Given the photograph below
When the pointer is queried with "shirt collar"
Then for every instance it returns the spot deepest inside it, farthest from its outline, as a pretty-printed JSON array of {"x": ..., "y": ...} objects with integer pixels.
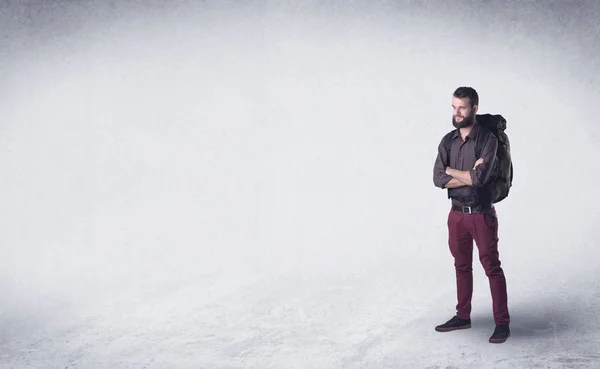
[{"x": 471, "y": 134}]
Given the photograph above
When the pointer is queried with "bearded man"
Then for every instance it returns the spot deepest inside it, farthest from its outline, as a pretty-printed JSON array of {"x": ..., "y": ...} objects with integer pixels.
[{"x": 472, "y": 215}]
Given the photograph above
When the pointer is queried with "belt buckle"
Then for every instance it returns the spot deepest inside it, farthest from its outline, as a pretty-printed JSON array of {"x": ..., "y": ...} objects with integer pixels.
[{"x": 468, "y": 209}]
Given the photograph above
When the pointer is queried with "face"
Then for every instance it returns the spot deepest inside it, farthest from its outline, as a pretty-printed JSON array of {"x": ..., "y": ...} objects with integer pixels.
[{"x": 462, "y": 116}]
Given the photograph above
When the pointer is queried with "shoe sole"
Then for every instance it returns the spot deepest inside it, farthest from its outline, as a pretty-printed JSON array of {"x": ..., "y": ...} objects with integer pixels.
[
  {"x": 499, "y": 340},
  {"x": 453, "y": 329}
]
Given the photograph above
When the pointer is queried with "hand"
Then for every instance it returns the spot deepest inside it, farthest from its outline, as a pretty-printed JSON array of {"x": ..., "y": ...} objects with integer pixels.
[
  {"x": 448, "y": 170},
  {"x": 479, "y": 161}
]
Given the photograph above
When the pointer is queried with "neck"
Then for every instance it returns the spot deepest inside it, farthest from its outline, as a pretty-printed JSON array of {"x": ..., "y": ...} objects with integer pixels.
[{"x": 464, "y": 132}]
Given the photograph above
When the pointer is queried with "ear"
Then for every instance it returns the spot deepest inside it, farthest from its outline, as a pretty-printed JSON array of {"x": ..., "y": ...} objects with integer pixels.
[{"x": 475, "y": 108}]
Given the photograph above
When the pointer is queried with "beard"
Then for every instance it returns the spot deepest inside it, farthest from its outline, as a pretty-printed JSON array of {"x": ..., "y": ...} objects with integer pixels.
[{"x": 465, "y": 122}]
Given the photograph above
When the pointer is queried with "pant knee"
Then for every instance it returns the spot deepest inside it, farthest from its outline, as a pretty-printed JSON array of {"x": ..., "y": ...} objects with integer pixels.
[
  {"x": 491, "y": 265},
  {"x": 463, "y": 268},
  {"x": 492, "y": 272}
]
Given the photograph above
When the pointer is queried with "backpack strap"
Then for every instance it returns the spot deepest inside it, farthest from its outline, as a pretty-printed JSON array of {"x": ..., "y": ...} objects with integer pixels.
[
  {"x": 480, "y": 143},
  {"x": 448, "y": 144},
  {"x": 482, "y": 137}
]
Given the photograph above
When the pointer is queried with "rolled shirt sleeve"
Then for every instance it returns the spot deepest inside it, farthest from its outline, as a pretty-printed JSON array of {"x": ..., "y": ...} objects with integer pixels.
[{"x": 483, "y": 172}]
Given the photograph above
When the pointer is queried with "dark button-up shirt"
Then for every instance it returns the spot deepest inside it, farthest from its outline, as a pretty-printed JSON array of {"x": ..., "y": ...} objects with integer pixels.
[{"x": 463, "y": 157}]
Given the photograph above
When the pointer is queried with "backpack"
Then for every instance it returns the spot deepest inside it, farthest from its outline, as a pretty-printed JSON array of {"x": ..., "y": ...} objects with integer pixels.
[{"x": 502, "y": 178}]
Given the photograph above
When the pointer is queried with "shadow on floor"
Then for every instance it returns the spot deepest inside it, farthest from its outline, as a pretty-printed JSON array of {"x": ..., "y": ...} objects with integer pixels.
[{"x": 541, "y": 320}]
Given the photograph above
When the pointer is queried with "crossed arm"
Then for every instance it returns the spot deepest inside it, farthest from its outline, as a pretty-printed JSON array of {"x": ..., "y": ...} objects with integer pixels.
[
  {"x": 458, "y": 178},
  {"x": 461, "y": 177},
  {"x": 454, "y": 183},
  {"x": 447, "y": 177}
]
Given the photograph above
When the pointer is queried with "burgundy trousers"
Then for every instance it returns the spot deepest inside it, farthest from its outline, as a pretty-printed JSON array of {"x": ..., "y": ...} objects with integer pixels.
[{"x": 463, "y": 229}]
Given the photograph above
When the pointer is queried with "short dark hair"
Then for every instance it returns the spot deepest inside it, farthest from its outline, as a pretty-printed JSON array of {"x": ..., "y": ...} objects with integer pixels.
[{"x": 469, "y": 92}]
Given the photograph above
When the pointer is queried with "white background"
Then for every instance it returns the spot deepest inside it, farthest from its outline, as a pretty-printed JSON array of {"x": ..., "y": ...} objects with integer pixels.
[{"x": 250, "y": 185}]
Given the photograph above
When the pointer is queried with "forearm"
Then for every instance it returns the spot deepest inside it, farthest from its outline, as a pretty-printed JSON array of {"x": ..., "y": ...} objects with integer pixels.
[
  {"x": 463, "y": 176},
  {"x": 454, "y": 183}
]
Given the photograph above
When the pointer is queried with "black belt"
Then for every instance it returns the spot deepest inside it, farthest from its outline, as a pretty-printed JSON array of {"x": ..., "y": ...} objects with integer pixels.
[{"x": 472, "y": 209}]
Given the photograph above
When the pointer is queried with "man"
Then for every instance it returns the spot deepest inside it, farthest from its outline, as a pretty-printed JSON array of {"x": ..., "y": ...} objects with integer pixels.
[{"x": 472, "y": 215}]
